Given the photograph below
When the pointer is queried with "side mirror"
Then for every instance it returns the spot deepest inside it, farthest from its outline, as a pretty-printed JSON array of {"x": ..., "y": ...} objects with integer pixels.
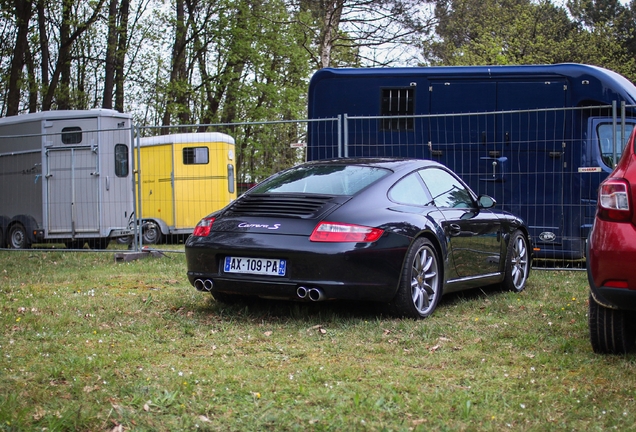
[{"x": 486, "y": 201}]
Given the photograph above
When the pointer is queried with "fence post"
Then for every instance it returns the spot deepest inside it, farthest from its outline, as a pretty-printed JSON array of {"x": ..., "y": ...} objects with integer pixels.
[
  {"x": 137, "y": 242},
  {"x": 346, "y": 136},
  {"x": 623, "y": 140},
  {"x": 614, "y": 134}
]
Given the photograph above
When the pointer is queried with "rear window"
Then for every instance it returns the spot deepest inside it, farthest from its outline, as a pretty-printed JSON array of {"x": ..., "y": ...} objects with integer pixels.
[{"x": 323, "y": 179}]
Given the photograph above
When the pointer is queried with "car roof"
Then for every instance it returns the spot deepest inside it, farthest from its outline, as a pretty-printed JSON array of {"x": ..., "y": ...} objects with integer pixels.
[{"x": 394, "y": 164}]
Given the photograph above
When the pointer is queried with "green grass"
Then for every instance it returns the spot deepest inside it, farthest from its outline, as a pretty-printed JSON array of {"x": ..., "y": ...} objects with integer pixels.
[{"x": 88, "y": 344}]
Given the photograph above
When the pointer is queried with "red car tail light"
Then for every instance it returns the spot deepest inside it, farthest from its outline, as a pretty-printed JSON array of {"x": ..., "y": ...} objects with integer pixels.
[
  {"x": 613, "y": 201},
  {"x": 340, "y": 232},
  {"x": 203, "y": 227}
]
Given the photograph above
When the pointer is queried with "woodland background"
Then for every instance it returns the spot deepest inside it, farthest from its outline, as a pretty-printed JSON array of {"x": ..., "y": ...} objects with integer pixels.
[{"x": 184, "y": 62}]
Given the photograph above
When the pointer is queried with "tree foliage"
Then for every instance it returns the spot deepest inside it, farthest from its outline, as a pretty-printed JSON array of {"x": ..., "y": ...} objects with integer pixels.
[
  {"x": 532, "y": 32},
  {"x": 203, "y": 62}
]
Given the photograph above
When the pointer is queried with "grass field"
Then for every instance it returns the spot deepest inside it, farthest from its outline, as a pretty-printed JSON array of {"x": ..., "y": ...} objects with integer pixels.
[{"x": 88, "y": 344}]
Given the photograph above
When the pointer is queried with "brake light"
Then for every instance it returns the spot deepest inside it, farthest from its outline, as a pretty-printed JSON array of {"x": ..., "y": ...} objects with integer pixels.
[
  {"x": 341, "y": 232},
  {"x": 613, "y": 201},
  {"x": 203, "y": 227}
]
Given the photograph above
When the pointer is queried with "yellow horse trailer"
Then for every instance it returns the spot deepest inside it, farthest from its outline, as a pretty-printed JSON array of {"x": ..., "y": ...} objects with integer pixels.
[{"x": 184, "y": 177}]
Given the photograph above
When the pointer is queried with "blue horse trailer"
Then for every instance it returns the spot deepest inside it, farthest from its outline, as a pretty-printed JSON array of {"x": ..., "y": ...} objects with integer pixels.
[{"x": 537, "y": 138}]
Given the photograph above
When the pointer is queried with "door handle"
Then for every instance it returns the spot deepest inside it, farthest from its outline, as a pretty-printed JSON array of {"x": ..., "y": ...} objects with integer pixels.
[{"x": 454, "y": 229}]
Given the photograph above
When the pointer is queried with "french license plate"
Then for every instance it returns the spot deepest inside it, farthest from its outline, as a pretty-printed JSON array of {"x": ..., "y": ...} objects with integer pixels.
[{"x": 261, "y": 266}]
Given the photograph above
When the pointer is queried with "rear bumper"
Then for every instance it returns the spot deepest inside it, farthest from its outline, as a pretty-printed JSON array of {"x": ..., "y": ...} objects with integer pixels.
[
  {"x": 611, "y": 258},
  {"x": 348, "y": 271}
]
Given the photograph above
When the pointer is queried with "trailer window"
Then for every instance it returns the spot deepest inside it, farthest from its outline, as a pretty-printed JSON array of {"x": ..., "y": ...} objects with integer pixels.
[
  {"x": 397, "y": 102},
  {"x": 121, "y": 160},
  {"x": 230, "y": 178},
  {"x": 195, "y": 155},
  {"x": 72, "y": 135},
  {"x": 605, "y": 133}
]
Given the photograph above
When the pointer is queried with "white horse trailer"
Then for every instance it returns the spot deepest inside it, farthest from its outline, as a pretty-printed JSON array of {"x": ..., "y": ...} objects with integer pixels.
[{"x": 65, "y": 177}]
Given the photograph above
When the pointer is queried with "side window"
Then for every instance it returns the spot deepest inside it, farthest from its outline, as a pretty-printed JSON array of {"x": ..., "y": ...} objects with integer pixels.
[
  {"x": 605, "y": 135},
  {"x": 447, "y": 191},
  {"x": 410, "y": 191},
  {"x": 72, "y": 135},
  {"x": 195, "y": 155},
  {"x": 121, "y": 160},
  {"x": 397, "y": 102}
]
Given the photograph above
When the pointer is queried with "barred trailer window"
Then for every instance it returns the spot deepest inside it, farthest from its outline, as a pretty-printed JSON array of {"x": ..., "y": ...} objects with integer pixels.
[
  {"x": 397, "y": 102},
  {"x": 195, "y": 156}
]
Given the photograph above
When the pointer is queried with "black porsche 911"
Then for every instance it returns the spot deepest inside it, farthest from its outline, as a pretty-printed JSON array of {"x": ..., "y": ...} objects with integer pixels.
[{"x": 399, "y": 231}]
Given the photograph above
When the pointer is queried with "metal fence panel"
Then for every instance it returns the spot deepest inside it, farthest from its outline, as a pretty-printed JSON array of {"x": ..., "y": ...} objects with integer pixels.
[{"x": 543, "y": 165}]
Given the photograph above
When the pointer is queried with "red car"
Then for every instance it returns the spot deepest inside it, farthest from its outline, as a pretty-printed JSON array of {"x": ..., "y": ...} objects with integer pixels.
[{"x": 611, "y": 260}]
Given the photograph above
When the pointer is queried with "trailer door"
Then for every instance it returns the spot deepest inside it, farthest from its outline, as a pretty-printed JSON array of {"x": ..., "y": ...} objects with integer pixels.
[
  {"x": 530, "y": 137},
  {"x": 72, "y": 201},
  {"x": 460, "y": 130},
  {"x": 72, "y": 193}
]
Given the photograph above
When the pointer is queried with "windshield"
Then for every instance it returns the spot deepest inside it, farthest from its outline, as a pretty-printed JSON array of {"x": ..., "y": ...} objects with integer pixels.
[
  {"x": 605, "y": 138},
  {"x": 323, "y": 179}
]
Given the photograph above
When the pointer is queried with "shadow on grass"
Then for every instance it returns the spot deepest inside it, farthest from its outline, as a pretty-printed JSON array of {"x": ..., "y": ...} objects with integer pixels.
[{"x": 249, "y": 309}]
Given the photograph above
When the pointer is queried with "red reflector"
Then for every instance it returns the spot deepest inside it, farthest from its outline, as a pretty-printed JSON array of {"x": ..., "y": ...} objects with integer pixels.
[
  {"x": 203, "y": 227},
  {"x": 615, "y": 284},
  {"x": 340, "y": 232}
]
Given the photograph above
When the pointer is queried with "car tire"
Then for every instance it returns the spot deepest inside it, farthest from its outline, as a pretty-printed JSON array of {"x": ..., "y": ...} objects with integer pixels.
[
  {"x": 18, "y": 238},
  {"x": 517, "y": 263},
  {"x": 612, "y": 331},
  {"x": 420, "y": 286}
]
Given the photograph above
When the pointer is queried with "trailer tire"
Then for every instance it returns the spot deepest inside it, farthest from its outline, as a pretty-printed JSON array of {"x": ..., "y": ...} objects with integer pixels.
[
  {"x": 151, "y": 233},
  {"x": 18, "y": 237}
]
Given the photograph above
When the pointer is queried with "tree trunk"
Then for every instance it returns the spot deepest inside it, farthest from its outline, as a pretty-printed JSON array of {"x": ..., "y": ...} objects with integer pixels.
[
  {"x": 111, "y": 49},
  {"x": 23, "y": 13},
  {"x": 122, "y": 48},
  {"x": 177, "y": 97}
]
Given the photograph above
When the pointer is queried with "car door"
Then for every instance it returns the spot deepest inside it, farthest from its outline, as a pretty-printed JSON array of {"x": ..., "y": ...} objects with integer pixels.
[{"x": 474, "y": 233}]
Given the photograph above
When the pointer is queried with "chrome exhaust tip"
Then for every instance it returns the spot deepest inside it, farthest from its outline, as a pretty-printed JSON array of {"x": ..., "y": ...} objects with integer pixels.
[
  {"x": 199, "y": 285},
  {"x": 208, "y": 285},
  {"x": 316, "y": 294},
  {"x": 302, "y": 292}
]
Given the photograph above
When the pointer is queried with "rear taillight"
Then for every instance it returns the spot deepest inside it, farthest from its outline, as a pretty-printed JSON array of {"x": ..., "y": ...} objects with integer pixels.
[
  {"x": 341, "y": 232},
  {"x": 203, "y": 227},
  {"x": 613, "y": 201}
]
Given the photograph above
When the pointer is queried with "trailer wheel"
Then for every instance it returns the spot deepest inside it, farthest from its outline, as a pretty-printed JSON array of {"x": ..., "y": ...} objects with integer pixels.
[
  {"x": 18, "y": 238},
  {"x": 151, "y": 233},
  {"x": 100, "y": 243}
]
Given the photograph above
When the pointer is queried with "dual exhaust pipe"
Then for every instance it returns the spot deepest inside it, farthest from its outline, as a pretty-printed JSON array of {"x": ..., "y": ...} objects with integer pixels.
[
  {"x": 204, "y": 285},
  {"x": 313, "y": 294}
]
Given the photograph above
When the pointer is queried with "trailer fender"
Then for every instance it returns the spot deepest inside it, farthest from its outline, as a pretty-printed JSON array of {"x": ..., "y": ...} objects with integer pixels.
[{"x": 33, "y": 231}]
